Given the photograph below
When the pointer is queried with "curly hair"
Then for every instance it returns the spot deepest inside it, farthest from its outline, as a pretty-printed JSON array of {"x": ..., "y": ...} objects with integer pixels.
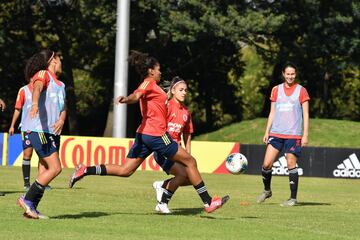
[
  {"x": 142, "y": 62},
  {"x": 38, "y": 61}
]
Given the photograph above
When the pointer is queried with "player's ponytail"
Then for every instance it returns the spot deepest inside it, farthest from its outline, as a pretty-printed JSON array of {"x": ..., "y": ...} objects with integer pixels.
[
  {"x": 37, "y": 62},
  {"x": 142, "y": 62}
]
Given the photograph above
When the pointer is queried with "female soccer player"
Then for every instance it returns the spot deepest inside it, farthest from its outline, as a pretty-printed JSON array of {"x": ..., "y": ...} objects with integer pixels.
[
  {"x": 23, "y": 101},
  {"x": 151, "y": 135},
  {"x": 289, "y": 111},
  {"x": 179, "y": 126},
  {"x": 42, "y": 122}
]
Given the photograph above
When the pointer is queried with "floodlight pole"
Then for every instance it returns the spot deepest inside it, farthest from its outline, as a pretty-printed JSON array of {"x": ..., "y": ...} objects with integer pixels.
[{"x": 121, "y": 66}]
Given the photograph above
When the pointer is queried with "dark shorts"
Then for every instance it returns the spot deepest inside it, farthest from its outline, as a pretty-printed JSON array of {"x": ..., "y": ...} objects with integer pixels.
[
  {"x": 144, "y": 145},
  {"x": 44, "y": 144},
  {"x": 287, "y": 145},
  {"x": 163, "y": 162},
  {"x": 56, "y": 139}
]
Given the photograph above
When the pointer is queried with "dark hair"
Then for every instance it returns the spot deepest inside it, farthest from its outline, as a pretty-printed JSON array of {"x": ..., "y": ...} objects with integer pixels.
[
  {"x": 289, "y": 64},
  {"x": 38, "y": 61},
  {"x": 142, "y": 62}
]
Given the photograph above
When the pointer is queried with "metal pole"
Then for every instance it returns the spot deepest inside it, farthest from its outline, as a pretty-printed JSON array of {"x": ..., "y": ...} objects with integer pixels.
[{"x": 121, "y": 66}]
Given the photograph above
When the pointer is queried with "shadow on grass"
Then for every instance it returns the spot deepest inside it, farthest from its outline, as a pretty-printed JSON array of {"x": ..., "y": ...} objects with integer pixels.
[
  {"x": 301, "y": 204},
  {"x": 82, "y": 215},
  {"x": 187, "y": 211}
]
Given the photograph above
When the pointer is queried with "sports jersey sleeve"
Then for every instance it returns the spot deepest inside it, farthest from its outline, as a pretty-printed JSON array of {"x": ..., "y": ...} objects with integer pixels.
[
  {"x": 304, "y": 96},
  {"x": 188, "y": 128},
  {"x": 274, "y": 94},
  {"x": 41, "y": 76},
  {"x": 145, "y": 87},
  {"x": 20, "y": 99}
]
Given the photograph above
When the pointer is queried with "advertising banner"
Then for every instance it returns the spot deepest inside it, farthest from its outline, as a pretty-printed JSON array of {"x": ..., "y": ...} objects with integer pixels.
[
  {"x": 89, "y": 151},
  {"x": 314, "y": 161}
]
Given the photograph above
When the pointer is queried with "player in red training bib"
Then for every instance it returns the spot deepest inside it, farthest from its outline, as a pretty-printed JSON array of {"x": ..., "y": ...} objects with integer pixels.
[
  {"x": 180, "y": 128},
  {"x": 286, "y": 130},
  {"x": 151, "y": 136}
]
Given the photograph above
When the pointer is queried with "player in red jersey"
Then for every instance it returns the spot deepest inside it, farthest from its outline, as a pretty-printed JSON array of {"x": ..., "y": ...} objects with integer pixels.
[
  {"x": 27, "y": 150},
  {"x": 151, "y": 135},
  {"x": 180, "y": 128},
  {"x": 287, "y": 129}
]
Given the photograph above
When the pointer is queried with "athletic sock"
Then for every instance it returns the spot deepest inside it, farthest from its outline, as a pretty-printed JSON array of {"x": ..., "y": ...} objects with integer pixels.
[
  {"x": 166, "y": 182},
  {"x": 35, "y": 193},
  {"x": 26, "y": 171},
  {"x": 167, "y": 194},
  {"x": 203, "y": 193},
  {"x": 266, "y": 173},
  {"x": 96, "y": 170},
  {"x": 293, "y": 181}
]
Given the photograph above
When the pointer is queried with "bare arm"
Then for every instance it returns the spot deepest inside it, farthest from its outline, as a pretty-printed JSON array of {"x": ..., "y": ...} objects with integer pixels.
[
  {"x": 132, "y": 98},
  {"x": 13, "y": 121},
  {"x": 2, "y": 105},
  {"x": 58, "y": 126},
  {"x": 269, "y": 122},
  {"x": 305, "y": 111},
  {"x": 37, "y": 88},
  {"x": 187, "y": 142}
]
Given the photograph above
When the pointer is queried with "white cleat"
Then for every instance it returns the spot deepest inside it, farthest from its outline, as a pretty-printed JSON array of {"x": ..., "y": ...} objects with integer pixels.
[
  {"x": 162, "y": 208},
  {"x": 157, "y": 185}
]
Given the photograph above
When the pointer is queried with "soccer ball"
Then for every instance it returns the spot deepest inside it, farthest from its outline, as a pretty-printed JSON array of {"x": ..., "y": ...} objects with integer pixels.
[{"x": 236, "y": 163}]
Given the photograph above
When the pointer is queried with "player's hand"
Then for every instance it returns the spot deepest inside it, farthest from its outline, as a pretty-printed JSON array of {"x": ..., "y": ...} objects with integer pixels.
[
  {"x": 58, "y": 126},
  {"x": 120, "y": 99},
  {"x": 2, "y": 105},
  {"x": 34, "y": 110},
  {"x": 266, "y": 138},
  {"x": 11, "y": 131},
  {"x": 304, "y": 141}
]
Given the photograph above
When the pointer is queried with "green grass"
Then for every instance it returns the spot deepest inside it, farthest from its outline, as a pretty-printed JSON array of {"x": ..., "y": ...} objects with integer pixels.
[
  {"x": 118, "y": 208},
  {"x": 322, "y": 133}
]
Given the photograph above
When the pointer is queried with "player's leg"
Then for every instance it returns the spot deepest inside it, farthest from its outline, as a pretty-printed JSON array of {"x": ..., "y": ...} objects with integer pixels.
[
  {"x": 293, "y": 151},
  {"x": 135, "y": 157},
  {"x": 193, "y": 174},
  {"x": 46, "y": 150},
  {"x": 26, "y": 167},
  {"x": 272, "y": 151}
]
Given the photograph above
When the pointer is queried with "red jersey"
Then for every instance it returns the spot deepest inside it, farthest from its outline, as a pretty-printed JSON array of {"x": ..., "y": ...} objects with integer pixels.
[
  {"x": 153, "y": 108},
  {"x": 20, "y": 99},
  {"x": 179, "y": 120},
  {"x": 43, "y": 75},
  {"x": 304, "y": 96}
]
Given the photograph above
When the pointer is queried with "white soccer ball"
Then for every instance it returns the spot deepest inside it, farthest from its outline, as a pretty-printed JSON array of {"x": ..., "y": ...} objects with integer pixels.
[{"x": 236, "y": 163}]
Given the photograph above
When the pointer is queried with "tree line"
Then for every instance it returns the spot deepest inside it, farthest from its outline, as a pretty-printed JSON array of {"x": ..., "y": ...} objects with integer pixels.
[{"x": 230, "y": 52}]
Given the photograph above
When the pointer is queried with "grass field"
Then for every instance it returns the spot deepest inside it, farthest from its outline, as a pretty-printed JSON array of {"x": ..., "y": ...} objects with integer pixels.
[
  {"x": 322, "y": 133},
  {"x": 118, "y": 208}
]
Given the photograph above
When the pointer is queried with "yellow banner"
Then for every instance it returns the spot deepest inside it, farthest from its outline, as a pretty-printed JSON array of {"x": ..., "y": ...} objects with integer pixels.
[{"x": 90, "y": 151}]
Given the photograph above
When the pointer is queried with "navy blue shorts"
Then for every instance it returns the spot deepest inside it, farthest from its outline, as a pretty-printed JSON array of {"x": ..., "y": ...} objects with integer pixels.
[
  {"x": 163, "y": 162},
  {"x": 288, "y": 145},
  {"x": 44, "y": 143},
  {"x": 144, "y": 145},
  {"x": 25, "y": 145}
]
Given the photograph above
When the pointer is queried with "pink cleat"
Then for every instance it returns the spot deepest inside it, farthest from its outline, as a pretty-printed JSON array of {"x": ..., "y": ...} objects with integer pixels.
[
  {"x": 216, "y": 203},
  {"x": 77, "y": 175}
]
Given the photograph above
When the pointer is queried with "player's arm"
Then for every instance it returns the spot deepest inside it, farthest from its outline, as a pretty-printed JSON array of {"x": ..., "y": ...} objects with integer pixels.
[
  {"x": 13, "y": 121},
  {"x": 305, "y": 112},
  {"x": 58, "y": 126},
  {"x": 132, "y": 98},
  {"x": 187, "y": 142},
  {"x": 269, "y": 122},
  {"x": 37, "y": 88},
  {"x": 2, "y": 105}
]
